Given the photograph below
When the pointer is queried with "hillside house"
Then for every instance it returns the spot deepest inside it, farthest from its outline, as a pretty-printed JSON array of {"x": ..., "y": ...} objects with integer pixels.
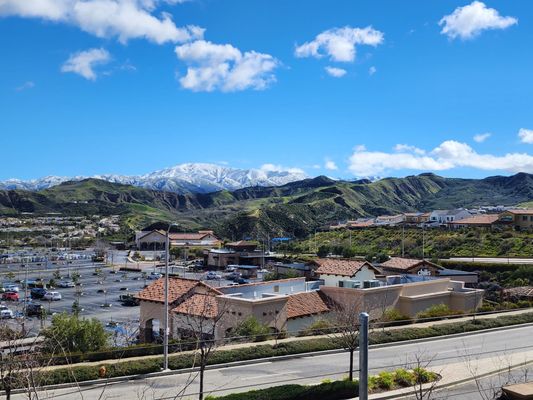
[
  {"x": 340, "y": 272},
  {"x": 519, "y": 219},
  {"x": 444, "y": 217}
]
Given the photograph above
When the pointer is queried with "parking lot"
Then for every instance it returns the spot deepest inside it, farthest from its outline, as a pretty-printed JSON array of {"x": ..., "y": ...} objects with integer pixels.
[{"x": 98, "y": 294}]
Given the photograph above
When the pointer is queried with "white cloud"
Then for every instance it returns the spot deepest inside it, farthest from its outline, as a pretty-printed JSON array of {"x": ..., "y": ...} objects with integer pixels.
[
  {"x": 359, "y": 147},
  {"x": 469, "y": 21},
  {"x": 481, "y": 137},
  {"x": 224, "y": 67},
  {"x": 340, "y": 43},
  {"x": 25, "y": 86},
  {"x": 335, "y": 72},
  {"x": 279, "y": 168},
  {"x": 449, "y": 154},
  {"x": 526, "y": 136},
  {"x": 83, "y": 62},
  {"x": 124, "y": 19},
  {"x": 405, "y": 148},
  {"x": 330, "y": 165},
  {"x": 372, "y": 70}
]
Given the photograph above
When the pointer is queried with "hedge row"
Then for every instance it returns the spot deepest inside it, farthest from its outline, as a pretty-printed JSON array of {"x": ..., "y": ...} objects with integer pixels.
[
  {"x": 482, "y": 266},
  {"x": 337, "y": 390},
  {"x": 182, "y": 361}
]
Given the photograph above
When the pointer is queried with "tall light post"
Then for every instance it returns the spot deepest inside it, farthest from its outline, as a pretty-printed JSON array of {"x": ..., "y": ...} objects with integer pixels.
[{"x": 165, "y": 322}]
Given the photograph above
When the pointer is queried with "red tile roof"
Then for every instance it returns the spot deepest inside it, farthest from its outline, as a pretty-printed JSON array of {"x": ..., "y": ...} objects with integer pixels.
[
  {"x": 404, "y": 264},
  {"x": 306, "y": 303},
  {"x": 177, "y": 288},
  {"x": 187, "y": 236},
  {"x": 332, "y": 266},
  {"x": 199, "y": 305},
  {"x": 522, "y": 212},
  {"x": 483, "y": 219}
]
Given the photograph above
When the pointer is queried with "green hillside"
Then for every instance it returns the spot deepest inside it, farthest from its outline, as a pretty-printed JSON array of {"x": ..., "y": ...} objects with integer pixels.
[{"x": 295, "y": 209}]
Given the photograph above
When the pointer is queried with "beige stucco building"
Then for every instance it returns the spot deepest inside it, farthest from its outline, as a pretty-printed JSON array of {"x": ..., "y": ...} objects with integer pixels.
[{"x": 519, "y": 219}]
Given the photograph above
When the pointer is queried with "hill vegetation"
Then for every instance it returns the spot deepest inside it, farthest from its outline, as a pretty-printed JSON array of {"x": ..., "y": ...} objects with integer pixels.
[{"x": 295, "y": 209}]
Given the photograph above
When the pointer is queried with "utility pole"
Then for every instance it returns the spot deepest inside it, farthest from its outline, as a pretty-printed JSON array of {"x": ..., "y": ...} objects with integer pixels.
[
  {"x": 363, "y": 356},
  {"x": 165, "y": 333},
  {"x": 403, "y": 241},
  {"x": 423, "y": 243},
  {"x": 166, "y": 328}
]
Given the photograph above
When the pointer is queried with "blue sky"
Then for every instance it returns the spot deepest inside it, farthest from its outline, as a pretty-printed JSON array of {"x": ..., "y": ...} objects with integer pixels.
[{"x": 131, "y": 86}]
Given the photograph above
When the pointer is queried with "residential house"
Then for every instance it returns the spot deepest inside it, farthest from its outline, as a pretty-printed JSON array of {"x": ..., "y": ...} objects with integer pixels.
[
  {"x": 389, "y": 220},
  {"x": 415, "y": 218},
  {"x": 487, "y": 221},
  {"x": 519, "y": 219},
  {"x": 444, "y": 217},
  {"x": 425, "y": 268},
  {"x": 340, "y": 272}
]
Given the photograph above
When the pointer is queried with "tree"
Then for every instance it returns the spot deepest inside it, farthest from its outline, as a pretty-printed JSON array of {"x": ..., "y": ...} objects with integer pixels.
[
  {"x": 198, "y": 321},
  {"x": 20, "y": 363},
  {"x": 73, "y": 334},
  {"x": 251, "y": 328},
  {"x": 345, "y": 319}
]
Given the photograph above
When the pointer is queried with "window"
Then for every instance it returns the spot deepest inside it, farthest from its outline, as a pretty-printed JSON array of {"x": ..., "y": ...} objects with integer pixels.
[
  {"x": 276, "y": 288},
  {"x": 524, "y": 217},
  {"x": 531, "y": 218}
]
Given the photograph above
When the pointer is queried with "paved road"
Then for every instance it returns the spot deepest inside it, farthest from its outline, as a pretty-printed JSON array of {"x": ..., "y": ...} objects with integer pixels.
[
  {"x": 500, "y": 260},
  {"x": 311, "y": 369}
]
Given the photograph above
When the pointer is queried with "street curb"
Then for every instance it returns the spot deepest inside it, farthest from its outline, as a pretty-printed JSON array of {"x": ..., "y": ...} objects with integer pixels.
[
  {"x": 99, "y": 382},
  {"x": 402, "y": 394}
]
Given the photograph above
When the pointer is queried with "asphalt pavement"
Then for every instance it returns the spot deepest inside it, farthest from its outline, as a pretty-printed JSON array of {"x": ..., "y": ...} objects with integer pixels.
[{"x": 483, "y": 347}]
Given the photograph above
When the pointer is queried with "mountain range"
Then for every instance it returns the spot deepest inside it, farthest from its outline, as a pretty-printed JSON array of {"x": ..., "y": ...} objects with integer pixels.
[
  {"x": 294, "y": 209},
  {"x": 182, "y": 178}
]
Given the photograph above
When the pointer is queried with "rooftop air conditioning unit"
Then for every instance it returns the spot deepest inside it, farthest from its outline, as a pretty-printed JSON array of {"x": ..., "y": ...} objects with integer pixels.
[{"x": 350, "y": 284}]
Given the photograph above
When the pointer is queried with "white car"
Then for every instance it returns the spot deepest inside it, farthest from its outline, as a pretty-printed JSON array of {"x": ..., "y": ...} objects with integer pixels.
[
  {"x": 5, "y": 313},
  {"x": 52, "y": 296},
  {"x": 66, "y": 284},
  {"x": 10, "y": 287}
]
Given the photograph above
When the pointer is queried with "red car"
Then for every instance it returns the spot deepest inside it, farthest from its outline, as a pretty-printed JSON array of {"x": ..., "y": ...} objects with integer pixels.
[{"x": 12, "y": 296}]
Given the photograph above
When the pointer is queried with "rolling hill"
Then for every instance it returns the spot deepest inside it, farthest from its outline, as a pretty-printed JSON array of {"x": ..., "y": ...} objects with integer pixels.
[{"x": 295, "y": 209}]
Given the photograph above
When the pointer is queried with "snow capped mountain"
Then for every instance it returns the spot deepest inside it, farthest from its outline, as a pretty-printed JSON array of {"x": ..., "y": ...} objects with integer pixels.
[{"x": 191, "y": 177}]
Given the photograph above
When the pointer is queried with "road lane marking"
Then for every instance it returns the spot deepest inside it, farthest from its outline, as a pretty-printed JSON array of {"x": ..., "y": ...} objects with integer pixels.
[{"x": 249, "y": 378}]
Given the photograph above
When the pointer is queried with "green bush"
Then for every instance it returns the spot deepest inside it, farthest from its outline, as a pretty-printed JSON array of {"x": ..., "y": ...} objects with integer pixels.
[
  {"x": 437, "y": 311},
  {"x": 337, "y": 390},
  {"x": 403, "y": 378},
  {"x": 251, "y": 327},
  {"x": 385, "y": 380},
  {"x": 392, "y": 315}
]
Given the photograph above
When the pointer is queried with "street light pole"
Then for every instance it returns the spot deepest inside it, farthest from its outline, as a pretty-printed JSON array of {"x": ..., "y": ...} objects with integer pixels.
[{"x": 166, "y": 332}]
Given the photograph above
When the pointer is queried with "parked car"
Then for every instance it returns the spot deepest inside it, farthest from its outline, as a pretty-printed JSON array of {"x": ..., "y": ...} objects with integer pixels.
[
  {"x": 231, "y": 268},
  {"x": 10, "y": 296},
  {"x": 11, "y": 287},
  {"x": 241, "y": 281},
  {"x": 128, "y": 300},
  {"x": 211, "y": 275},
  {"x": 66, "y": 284},
  {"x": 37, "y": 293},
  {"x": 154, "y": 275},
  {"x": 5, "y": 313},
  {"x": 30, "y": 283},
  {"x": 52, "y": 296},
  {"x": 33, "y": 309},
  {"x": 233, "y": 276}
]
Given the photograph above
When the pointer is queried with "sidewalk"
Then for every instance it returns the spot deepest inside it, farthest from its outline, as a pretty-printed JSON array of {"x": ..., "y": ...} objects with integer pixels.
[
  {"x": 292, "y": 339},
  {"x": 465, "y": 371}
]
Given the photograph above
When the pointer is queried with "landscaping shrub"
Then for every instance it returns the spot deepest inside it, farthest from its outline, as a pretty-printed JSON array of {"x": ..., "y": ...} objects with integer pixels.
[
  {"x": 437, "y": 311},
  {"x": 337, "y": 390},
  {"x": 385, "y": 380},
  {"x": 403, "y": 378}
]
